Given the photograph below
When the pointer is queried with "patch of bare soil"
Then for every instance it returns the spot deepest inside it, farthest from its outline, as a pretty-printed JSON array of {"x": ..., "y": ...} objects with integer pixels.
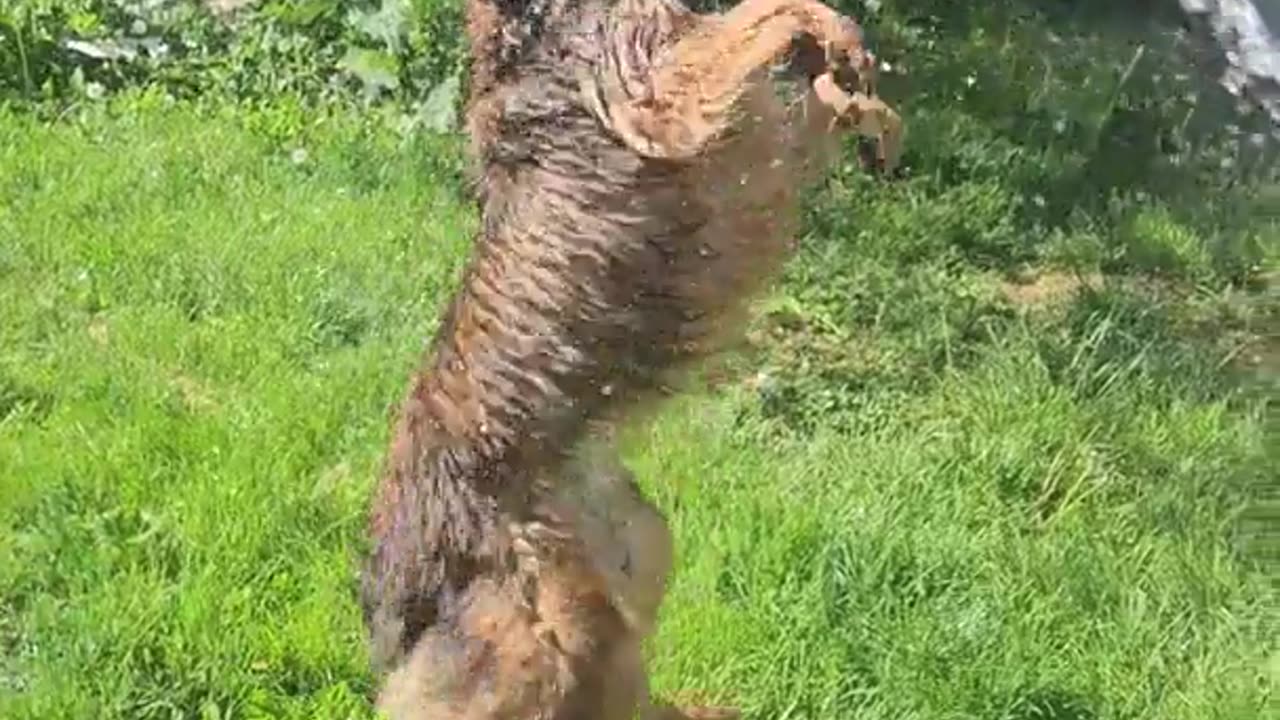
[
  {"x": 1047, "y": 288},
  {"x": 227, "y": 7},
  {"x": 1259, "y": 355},
  {"x": 195, "y": 395}
]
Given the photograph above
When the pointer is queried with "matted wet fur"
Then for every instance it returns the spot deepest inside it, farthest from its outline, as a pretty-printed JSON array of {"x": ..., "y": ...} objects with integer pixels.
[{"x": 638, "y": 177}]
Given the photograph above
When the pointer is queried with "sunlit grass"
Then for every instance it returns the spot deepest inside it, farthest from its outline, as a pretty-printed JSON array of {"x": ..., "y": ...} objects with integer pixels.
[{"x": 203, "y": 332}]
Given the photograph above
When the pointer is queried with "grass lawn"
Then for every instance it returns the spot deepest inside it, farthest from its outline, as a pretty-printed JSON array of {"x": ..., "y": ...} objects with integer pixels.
[{"x": 941, "y": 485}]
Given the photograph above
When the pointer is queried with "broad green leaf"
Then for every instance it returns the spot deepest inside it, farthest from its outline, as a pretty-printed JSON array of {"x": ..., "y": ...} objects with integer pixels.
[
  {"x": 439, "y": 110},
  {"x": 376, "y": 70},
  {"x": 386, "y": 25}
]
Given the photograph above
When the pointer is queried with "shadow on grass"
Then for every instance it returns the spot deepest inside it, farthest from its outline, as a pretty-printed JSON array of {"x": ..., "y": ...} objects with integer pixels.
[
  {"x": 1051, "y": 704},
  {"x": 1071, "y": 109},
  {"x": 1132, "y": 338}
]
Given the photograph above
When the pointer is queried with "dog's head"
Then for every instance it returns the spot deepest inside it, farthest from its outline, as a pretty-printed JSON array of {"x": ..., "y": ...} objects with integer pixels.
[{"x": 503, "y": 32}]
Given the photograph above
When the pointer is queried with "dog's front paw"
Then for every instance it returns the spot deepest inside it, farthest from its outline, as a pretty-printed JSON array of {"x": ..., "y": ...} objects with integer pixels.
[{"x": 867, "y": 115}]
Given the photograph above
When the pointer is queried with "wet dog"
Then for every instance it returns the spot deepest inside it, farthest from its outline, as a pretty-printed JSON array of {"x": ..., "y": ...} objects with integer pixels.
[{"x": 638, "y": 173}]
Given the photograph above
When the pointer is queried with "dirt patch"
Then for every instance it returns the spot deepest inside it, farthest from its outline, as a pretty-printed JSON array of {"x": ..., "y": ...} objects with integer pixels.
[
  {"x": 223, "y": 8},
  {"x": 1047, "y": 288},
  {"x": 196, "y": 396},
  {"x": 99, "y": 331},
  {"x": 1259, "y": 355}
]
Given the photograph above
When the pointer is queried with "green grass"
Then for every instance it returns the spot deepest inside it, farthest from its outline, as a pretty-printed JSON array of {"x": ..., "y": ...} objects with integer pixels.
[
  {"x": 200, "y": 344},
  {"x": 915, "y": 497}
]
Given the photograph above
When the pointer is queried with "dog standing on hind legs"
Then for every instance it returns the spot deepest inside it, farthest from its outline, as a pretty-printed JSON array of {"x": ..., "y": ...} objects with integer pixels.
[{"x": 638, "y": 180}]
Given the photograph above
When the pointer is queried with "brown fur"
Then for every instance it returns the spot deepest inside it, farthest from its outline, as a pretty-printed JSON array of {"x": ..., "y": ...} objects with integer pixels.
[{"x": 638, "y": 180}]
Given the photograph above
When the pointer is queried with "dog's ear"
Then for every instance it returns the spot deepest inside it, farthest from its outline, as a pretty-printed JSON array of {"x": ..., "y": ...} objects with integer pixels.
[
  {"x": 502, "y": 31},
  {"x": 807, "y": 58}
]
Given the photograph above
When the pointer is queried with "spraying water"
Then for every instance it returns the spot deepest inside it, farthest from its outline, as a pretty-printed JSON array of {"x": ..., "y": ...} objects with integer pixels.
[{"x": 1247, "y": 34}]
